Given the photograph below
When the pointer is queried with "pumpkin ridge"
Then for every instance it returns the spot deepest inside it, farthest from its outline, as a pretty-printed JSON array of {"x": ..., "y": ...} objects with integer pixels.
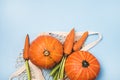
[
  {"x": 48, "y": 61},
  {"x": 52, "y": 42},
  {"x": 59, "y": 47},
  {"x": 83, "y": 74},
  {"x": 46, "y": 40},
  {"x": 92, "y": 71},
  {"x": 52, "y": 59},
  {"x": 69, "y": 73},
  {"x": 57, "y": 54},
  {"x": 87, "y": 74},
  {"x": 48, "y": 47},
  {"x": 40, "y": 38},
  {"x": 78, "y": 74},
  {"x": 76, "y": 59},
  {"x": 81, "y": 54},
  {"x": 92, "y": 60},
  {"x": 55, "y": 57},
  {"x": 47, "y": 43},
  {"x": 95, "y": 65},
  {"x": 55, "y": 47},
  {"x": 71, "y": 64},
  {"x": 88, "y": 56},
  {"x": 39, "y": 46}
]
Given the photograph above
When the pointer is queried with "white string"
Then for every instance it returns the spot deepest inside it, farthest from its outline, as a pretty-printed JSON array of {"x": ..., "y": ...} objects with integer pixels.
[
  {"x": 18, "y": 72},
  {"x": 36, "y": 72}
]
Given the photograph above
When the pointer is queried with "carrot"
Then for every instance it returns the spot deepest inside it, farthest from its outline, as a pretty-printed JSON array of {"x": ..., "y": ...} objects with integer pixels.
[
  {"x": 25, "y": 56},
  {"x": 26, "y": 48},
  {"x": 68, "y": 44},
  {"x": 80, "y": 42}
]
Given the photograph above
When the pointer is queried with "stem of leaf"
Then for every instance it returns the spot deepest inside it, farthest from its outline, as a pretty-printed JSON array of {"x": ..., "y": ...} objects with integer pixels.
[
  {"x": 55, "y": 69},
  {"x": 61, "y": 70},
  {"x": 28, "y": 69}
]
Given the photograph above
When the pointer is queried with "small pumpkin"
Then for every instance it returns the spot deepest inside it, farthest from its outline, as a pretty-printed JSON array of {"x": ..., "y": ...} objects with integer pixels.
[
  {"x": 45, "y": 51},
  {"x": 82, "y": 65}
]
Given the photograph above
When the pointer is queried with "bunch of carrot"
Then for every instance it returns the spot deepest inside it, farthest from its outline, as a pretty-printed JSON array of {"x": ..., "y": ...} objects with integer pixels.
[{"x": 69, "y": 46}]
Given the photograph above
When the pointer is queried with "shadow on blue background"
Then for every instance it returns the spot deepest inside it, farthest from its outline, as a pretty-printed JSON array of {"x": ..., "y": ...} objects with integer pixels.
[{"x": 100, "y": 74}]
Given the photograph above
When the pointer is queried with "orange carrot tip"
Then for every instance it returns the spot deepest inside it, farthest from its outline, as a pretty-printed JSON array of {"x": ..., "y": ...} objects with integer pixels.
[
  {"x": 77, "y": 45},
  {"x": 26, "y": 47}
]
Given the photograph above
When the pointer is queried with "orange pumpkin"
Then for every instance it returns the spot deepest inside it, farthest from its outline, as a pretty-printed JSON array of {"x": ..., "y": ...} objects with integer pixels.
[
  {"x": 82, "y": 65},
  {"x": 45, "y": 51}
]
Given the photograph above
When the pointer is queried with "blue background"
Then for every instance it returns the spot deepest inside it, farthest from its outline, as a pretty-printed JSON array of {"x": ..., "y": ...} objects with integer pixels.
[{"x": 19, "y": 17}]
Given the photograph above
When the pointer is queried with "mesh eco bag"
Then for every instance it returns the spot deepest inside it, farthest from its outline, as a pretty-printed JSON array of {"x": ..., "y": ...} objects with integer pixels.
[{"x": 43, "y": 74}]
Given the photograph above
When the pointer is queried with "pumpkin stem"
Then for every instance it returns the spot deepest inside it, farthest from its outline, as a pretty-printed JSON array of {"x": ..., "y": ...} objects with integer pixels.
[
  {"x": 46, "y": 53},
  {"x": 85, "y": 63}
]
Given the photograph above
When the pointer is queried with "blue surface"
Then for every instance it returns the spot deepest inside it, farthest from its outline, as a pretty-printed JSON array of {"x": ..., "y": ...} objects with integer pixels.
[{"x": 19, "y": 17}]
